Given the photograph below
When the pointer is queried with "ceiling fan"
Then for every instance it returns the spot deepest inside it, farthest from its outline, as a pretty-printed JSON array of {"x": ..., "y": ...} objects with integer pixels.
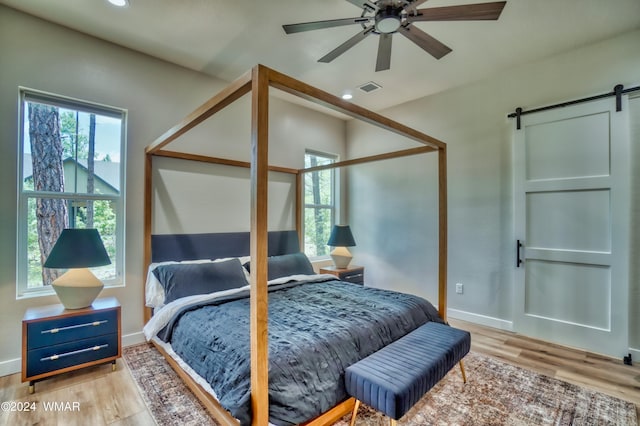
[{"x": 386, "y": 17}]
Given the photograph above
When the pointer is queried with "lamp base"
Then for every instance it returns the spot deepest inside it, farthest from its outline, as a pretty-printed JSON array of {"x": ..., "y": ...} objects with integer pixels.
[
  {"x": 341, "y": 257},
  {"x": 77, "y": 288}
]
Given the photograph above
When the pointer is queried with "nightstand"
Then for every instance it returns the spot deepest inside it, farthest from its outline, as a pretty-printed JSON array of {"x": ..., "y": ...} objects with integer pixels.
[
  {"x": 352, "y": 274},
  {"x": 56, "y": 340}
]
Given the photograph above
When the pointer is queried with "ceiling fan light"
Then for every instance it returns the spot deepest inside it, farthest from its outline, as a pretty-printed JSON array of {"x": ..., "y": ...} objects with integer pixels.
[{"x": 387, "y": 21}]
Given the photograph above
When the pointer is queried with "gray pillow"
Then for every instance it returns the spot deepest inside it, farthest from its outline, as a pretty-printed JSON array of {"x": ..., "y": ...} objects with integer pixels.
[
  {"x": 287, "y": 264},
  {"x": 188, "y": 279}
]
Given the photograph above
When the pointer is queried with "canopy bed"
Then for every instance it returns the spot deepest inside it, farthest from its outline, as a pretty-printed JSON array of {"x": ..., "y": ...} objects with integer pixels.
[{"x": 258, "y": 243}]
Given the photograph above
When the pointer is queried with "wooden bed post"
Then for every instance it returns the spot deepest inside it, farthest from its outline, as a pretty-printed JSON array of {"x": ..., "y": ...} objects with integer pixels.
[
  {"x": 442, "y": 232},
  {"x": 147, "y": 204},
  {"x": 257, "y": 81},
  {"x": 299, "y": 207},
  {"x": 259, "y": 298}
]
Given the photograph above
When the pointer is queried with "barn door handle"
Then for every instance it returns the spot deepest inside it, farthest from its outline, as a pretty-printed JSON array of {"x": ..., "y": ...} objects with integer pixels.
[{"x": 518, "y": 247}]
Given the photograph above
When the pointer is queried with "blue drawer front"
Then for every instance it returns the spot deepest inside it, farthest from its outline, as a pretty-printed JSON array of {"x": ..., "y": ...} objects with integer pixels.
[
  {"x": 57, "y": 331},
  {"x": 355, "y": 278},
  {"x": 44, "y": 360}
]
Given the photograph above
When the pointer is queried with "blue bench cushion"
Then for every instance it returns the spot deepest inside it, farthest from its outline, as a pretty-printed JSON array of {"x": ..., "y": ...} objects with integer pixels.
[{"x": 393, "y": 379}]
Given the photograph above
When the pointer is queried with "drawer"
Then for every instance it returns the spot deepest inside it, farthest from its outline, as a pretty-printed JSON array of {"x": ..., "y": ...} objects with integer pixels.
[
  {"x": 66, "y": 329},
  {"x": 47, "y": 359},
  {"x": 356, "y": 277}
]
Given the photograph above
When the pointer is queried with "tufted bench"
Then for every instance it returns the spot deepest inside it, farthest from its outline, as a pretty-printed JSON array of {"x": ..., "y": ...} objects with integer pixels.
[{"x": 393, "y": 379}]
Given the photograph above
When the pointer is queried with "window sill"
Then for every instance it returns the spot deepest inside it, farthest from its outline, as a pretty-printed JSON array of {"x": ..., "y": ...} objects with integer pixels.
[
  {"x": 49, "y": 291},
  {"x": 320, "y": 262}
]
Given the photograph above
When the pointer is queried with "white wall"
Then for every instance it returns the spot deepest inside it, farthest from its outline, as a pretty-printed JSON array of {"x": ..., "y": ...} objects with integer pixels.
[
  {"x": 191, "y": 197},
  {"x": 47, "y": 57},
  {"x": 400, "y": 197},
  {"x": 394, "y": 204},
  {"x": 291, "y": 129}
]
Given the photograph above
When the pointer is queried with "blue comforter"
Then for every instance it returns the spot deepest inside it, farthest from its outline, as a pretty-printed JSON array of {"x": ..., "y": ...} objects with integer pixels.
[{"x": 316, "y": 330}]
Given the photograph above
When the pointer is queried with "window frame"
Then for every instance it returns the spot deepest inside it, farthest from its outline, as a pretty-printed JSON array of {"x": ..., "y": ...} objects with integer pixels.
[
  {"x": 119, "y": 201},
  {"x": 334, "y": 207}
]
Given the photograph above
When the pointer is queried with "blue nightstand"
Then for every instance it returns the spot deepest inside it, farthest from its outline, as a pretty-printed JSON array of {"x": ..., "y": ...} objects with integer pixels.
[{"x": 56, "y": 340}]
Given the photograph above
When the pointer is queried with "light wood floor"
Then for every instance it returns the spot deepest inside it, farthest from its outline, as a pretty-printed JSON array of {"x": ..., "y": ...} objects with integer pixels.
[
  {"x": 585, "y": 369},
  {"x": 112, "y": 398},
  {"x": 105, "y": 397}
]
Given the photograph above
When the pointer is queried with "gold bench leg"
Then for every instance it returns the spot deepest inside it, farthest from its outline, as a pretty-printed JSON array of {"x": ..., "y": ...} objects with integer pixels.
[
  {"x": 392, "y": 422},
  {"x": 355, "y": 412},
  {"x": 464, "y": 376}
]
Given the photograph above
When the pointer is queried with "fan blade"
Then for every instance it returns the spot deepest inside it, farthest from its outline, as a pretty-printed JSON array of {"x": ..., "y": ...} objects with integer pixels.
[
  {"x": 412, "y": 6},
  {"x": 346, "y": 45},
  {"x": 363, "y": 4},
  {"x": 424, "y": 41},
  {"x": 384, "y": 53},
  {"x": 467, "y": 12},
  {"x": 318, "y": 25}
]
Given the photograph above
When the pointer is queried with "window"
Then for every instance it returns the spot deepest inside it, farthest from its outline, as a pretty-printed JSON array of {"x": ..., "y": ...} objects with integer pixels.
[
  {"x": 319, "y": 204},
  {"x": 72, "y": 176}
]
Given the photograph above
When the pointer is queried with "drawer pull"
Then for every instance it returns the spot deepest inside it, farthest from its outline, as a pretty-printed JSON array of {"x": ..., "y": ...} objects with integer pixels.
[
  {"x": 73, "y": 327},
  {"x": 79, "y": 351}
]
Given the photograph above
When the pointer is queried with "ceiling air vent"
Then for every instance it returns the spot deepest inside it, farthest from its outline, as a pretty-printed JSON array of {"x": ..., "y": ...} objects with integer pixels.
[{"x": 369, "y": 87}]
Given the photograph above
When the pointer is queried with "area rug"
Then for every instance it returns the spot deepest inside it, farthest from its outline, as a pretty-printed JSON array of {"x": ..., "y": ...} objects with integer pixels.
[
  {"x": 168, "y": 398},
  {"x": 496, "y": 393}
]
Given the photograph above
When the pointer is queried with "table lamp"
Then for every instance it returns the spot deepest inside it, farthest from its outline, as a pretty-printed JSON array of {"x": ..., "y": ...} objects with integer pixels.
[
  {"x": 77, "y": 250},
  {"x": 340, "y": 239}
]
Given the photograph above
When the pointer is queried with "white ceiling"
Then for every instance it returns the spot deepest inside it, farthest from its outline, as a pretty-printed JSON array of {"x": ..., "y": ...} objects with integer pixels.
[{"x": 225, "y": 38}]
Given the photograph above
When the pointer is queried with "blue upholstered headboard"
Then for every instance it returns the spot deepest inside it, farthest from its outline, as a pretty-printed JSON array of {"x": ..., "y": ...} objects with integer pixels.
[{"x": 179, "y": 247}]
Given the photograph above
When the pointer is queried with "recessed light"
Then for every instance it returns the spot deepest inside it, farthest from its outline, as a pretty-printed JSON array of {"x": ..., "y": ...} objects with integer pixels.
[
  {"x": 119, "y": 3},
  {"x": 347, "y": 96}
]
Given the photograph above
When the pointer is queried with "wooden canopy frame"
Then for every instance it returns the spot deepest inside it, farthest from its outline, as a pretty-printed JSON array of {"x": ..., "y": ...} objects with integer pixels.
[{"x": 257, "y": 81}]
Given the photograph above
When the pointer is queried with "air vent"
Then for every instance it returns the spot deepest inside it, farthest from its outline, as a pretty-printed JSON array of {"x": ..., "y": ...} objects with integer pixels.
[{"x": 369, "y": 87}]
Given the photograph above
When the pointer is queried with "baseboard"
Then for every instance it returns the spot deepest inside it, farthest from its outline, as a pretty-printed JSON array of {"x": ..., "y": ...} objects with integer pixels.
[
  {"x": 481, "y": 319},
  {"x": 507, "y": 325},
  {"x": 10, "y": 366},
  {"x": 133, "y": 339},
  {"x": 13, "y": 366}
]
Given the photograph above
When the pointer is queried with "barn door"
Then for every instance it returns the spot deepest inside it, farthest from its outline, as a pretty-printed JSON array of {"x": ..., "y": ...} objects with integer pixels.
[{"x": 572, "y": 221}]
